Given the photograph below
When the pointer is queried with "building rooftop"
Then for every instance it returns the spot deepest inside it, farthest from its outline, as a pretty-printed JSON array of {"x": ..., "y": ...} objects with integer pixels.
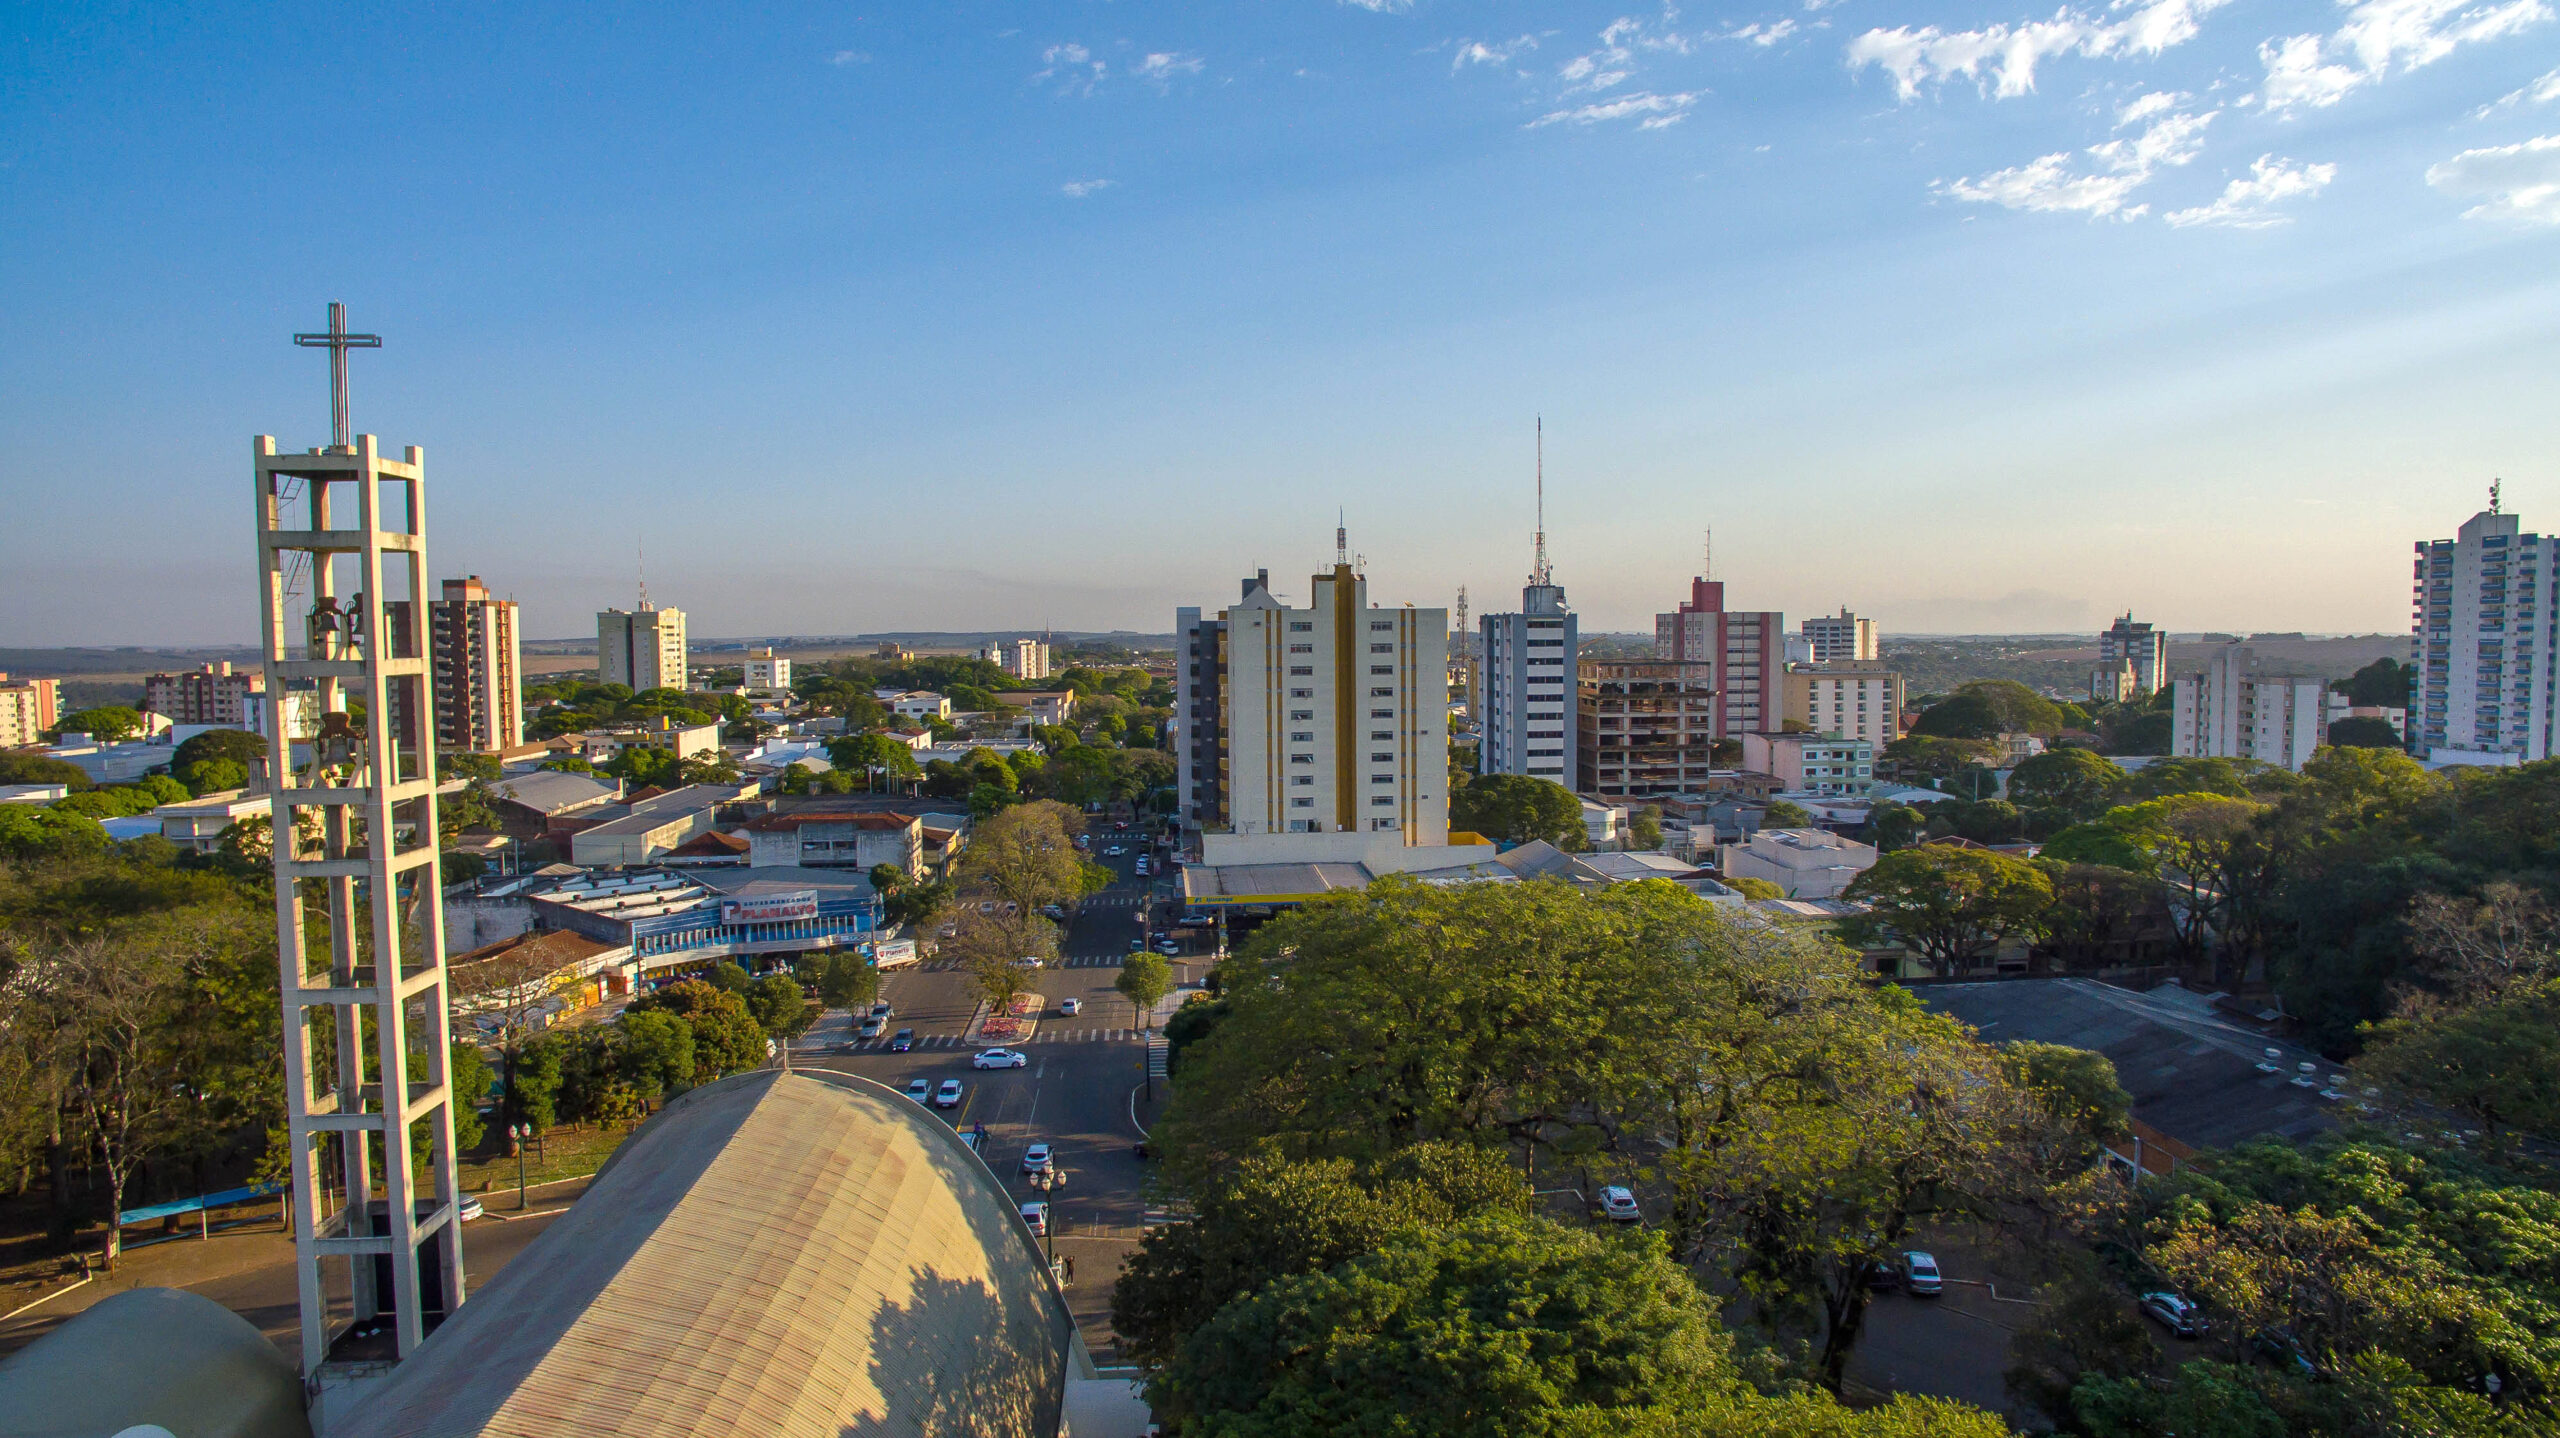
[
  {"x": 550, "y": 792},
  {"x": 859, "y": 818},
  {"x": 795, "y": 1254}
]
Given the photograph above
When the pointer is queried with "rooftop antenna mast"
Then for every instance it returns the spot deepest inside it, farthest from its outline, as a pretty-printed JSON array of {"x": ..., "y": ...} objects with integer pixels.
[
  {"x": 1707, "y": 555},
  {"x": 1540, "y": 574},
  {"x": 642, "y": 546},
  {"x": 2493, "y": 494},
  {"x": 1341, "y": 538}
]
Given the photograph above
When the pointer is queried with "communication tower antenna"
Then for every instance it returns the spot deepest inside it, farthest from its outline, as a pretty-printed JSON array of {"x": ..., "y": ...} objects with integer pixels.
[
  {"x": 1341, "y": 538},
  {"x": 2493, "y": 494},
  {"x": 1539, "y": 573},
  {"x": 1707, "y": 555},
  {"x": 643, "y": 547}
]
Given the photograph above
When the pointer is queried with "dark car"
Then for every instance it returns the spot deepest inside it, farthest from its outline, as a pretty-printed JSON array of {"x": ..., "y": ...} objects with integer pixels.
[
  {"x": 2279, "y": 1346},
  {"x": 902, "y": 1041},
  {"x": 2173, "y": 1312}
]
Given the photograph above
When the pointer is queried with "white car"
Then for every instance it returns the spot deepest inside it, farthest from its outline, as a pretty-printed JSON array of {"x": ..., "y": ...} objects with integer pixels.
[
  {"x": 947, "y": 1096},
  {"x": 1035, "y": 1216},
  {"x": 1027, "y": 961},
  {"x": 1035, "y": 1159},
  {"x": 1920, "y": 1273},
  {"x": 1618, "y": 1205},
  {"x": 997, "y": 1059},
  {"x": 470, "y": 1209},
  {"x": 1114, "y": 852},
  {"x": 921, "y": 1090},
  {"x": 1071, "y": 1006}
]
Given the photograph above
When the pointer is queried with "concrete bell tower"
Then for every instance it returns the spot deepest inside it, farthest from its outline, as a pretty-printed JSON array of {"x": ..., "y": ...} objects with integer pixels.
[{"x": 342, "y": 561}]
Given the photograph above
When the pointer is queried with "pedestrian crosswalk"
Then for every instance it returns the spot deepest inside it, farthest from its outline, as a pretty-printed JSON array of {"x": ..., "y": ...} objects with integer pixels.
[
  {"x": 1081, "y": 961},
  {"x": 1045, "y": 1034}
]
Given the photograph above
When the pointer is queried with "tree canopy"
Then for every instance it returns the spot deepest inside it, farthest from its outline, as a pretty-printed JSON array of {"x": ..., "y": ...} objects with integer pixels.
[{"x": 1516, "y": 808}]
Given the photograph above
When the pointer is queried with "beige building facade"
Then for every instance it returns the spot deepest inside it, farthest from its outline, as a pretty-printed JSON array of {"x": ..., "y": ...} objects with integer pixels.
[
  {"x": 1335, "y": 716},
  {"x": 1848, "y": 699},
  {"x": 28, "y": 707},
  {"x": 643, "y": 648}
]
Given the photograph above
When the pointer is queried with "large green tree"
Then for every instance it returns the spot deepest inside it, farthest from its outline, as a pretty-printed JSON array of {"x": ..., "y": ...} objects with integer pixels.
[
  {"x": 1516, "y": 808},
  {"x": 1951, "y": 905},
  {"x": 2066, "y": 786}
]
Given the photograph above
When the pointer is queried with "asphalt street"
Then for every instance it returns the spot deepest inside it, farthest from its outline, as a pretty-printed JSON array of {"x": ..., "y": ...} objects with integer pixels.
[{"x": 1078, "y": 1093}]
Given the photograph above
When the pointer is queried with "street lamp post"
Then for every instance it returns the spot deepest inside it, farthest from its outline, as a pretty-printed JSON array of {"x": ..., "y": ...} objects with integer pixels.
[{"x": 522, "y": 1133}]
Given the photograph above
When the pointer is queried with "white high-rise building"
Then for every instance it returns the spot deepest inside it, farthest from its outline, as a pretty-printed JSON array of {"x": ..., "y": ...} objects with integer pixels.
[
  {"x": 2230, "y": 712},
  {"x": 1526, "y": 707},
  {"x": 2485, "y": 643},
  {"x": 1848, "y": 699},
  {"x": 1832, "y": 638},
  {"x": 643, "y": 648},
  {"x": 1331, "y": 719}
]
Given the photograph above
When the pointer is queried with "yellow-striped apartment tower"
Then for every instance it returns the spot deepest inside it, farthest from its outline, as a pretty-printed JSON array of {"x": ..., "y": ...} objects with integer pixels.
[{"x": 1335, "y": 716}]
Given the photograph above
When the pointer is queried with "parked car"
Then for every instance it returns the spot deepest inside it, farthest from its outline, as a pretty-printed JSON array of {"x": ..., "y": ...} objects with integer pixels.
[
  {"x": 2279, "y": 1346},
  {"x": 1114, "y": 852},
  {"x": 920, "y": 1090},
  {"x": 881, "y": 1010},
  {"x": 870, "y": 1029},
  {"x": 1052, "y": 911},
  {"x": 1000, "y": 1059},
  {"x": 1168, "y": 948},
  {"x": 947, "y": 1096},
  {"x": 1138, "y": 946},
  {"x": 1036, "y": 1159},
  {"x": 470, "y": 1208},
  {"x": 1920, "y": 1273},
  {"x": 902, "y": 1041},
  {"x": 1035, "y": 1216},
  {"x": 2173, "y": 1312},
  {"x": 1071, "y": 1006},
  {"x": 1196, "y": 921},
  {"x": 1027, "y": 961},
  {"x": 1883, "y": 1273},
  {"x": 1618, "y": 1205}
]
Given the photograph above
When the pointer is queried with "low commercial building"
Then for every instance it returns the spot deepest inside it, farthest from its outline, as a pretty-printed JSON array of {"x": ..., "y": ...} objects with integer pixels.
[
  {"x": 546, "y": 804},
  {"x": 1041, "y": 706},
  {"x": 639, "y": 832},
  {"x": 685, "y": 741},
  {"x": 197, "y": 824},
  {"x": 1803, "y": 863},
  {"x": 1812, "y": 763},
  {"x": 673, "y": 921},
  {"x": 208, "y": 694},
  {"x": 915, "y": 703},
  {"x": 813, "y": 838}
]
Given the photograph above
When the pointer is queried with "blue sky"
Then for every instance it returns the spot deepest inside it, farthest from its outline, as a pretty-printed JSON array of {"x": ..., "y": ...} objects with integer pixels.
[{"x": 1974, "y": 317}]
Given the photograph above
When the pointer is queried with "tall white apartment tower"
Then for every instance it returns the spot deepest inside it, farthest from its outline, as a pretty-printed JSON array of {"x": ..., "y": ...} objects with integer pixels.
[
  {"x": 1331, "y": 719},
  {"x": 1832, "y": 638},
  {"x": 2229, "y": 711},
  {"x": 643, "y": 648},
  {"x": 1526, "y": 706},
  {"x": 2484, "y": 641},
  {"x": 2139, "y": 645}
]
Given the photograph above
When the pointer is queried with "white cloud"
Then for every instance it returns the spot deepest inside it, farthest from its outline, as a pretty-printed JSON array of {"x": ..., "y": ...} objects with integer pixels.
[
  {"x": 2047, "y": 183},
  {"x": 1162, "y": 66},
  {"x": 1499, "y": 52},
  {"x": 1382, "y": 7},
  {"x": 849, "y": 57},
  {"x": 2246, "y": 204},
  {"x": 1762, "y": 35},
  {"x": 2009, "y": 54},
  {"x": 1622, "y": 42},
  {"x": 2379, "y": 37},
  {"x": 2515, "y": 183},
  {"x": 1654, "y": 111},
  {"x": 1078, "y": 189},
  {"x": 2050, "y": 183},
  {"x": 1072, "y": 66},
  {"x": 2541, "y": 92},
  {"x": 2149, "y": 105}
]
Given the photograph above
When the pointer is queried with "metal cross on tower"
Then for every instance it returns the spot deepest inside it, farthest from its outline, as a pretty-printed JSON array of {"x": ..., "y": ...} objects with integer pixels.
[{"x": 337, "y": 342}]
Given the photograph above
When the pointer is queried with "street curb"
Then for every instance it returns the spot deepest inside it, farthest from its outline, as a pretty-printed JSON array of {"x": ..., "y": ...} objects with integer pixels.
[
  {"x": 35, "y": 1303},
  {"x": 485, "y": 1212}
]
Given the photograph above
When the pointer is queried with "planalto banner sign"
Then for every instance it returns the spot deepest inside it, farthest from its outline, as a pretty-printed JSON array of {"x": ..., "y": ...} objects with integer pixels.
[
  {"x": 893, "y": 952},
  {"x": 770, "y": 908}
]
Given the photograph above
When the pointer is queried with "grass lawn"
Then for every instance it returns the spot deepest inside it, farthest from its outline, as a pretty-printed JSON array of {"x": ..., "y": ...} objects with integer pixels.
[{"x": 564, "y": 1152}]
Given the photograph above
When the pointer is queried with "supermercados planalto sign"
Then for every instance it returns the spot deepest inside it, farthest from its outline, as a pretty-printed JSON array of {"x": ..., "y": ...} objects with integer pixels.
[{"x": 770, "y": 908}]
